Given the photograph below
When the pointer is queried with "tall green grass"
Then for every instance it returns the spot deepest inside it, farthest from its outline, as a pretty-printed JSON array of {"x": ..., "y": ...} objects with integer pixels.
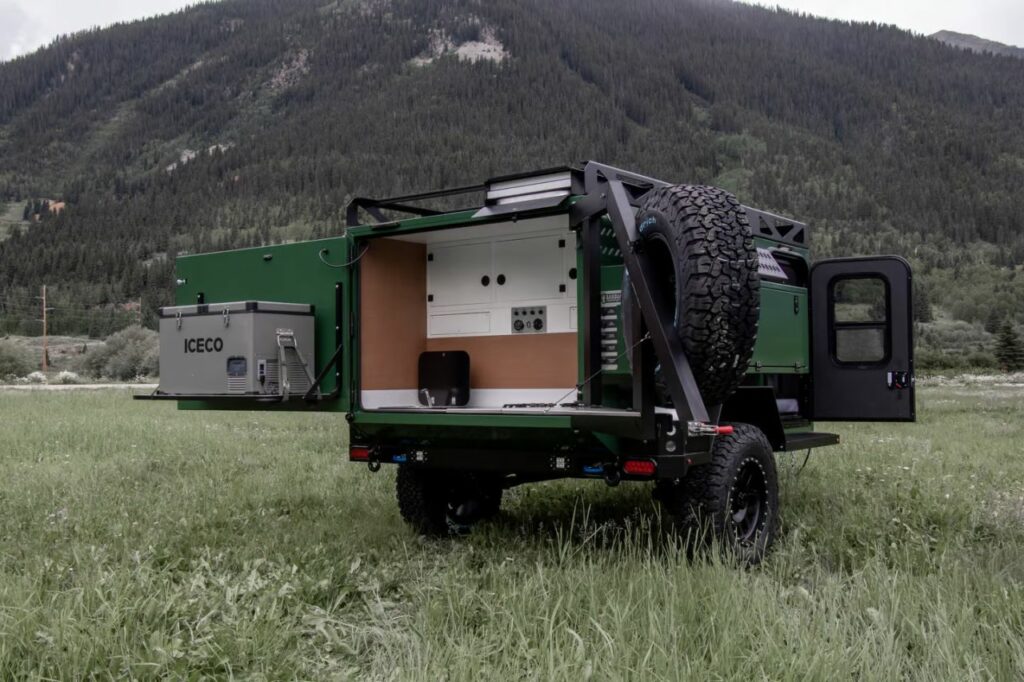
[{"x": 138, "y": 541}]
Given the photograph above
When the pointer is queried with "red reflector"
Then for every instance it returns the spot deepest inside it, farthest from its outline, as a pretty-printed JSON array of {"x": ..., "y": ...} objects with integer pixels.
[
  {"x": 359, "y": 453},
  {"x": 638, "y": 467},
  {"x": 724, "y": 430}
]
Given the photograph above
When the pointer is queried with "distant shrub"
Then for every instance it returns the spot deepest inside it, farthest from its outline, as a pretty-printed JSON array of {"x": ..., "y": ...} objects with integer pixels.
[
  {"x": 36, "y": 378},
  {"x": 954, "y": 337},
  {"x": 15, "y": 360},
  {"x": 126, "y": 355},
  {"x": 67, "y": 377},
  {"x": 926, "y": 358},
  {"x": 982, "y": 360}
]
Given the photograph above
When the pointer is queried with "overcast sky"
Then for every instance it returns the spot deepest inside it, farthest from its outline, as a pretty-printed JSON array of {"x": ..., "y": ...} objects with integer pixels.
[
  {"x": 1001, "y": 20},
  {"x": 28, "y": 24}
]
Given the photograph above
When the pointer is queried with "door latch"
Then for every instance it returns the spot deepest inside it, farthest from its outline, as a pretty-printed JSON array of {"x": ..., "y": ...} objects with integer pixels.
[{"x": 898, "y": 380}]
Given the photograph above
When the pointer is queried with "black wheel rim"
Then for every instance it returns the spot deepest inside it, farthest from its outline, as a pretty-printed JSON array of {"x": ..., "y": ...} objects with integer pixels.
[
  {"x": 462, "y": 508},
  {"x": 749, "y": 503},
  {"x": 463, "y": 512}
]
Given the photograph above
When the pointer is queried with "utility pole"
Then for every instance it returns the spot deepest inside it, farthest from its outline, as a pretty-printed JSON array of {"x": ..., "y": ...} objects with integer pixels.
[{"x": 46, "y": 349}]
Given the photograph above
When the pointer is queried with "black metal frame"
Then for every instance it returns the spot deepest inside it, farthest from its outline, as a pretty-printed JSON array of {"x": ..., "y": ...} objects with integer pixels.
[
  {"x": 215, "y": 398},
  {"x": 406, "y": 203},
  {"x": 787, "y": 230},
  {"x": 402, "y": 204},
  {"x": 533, "y": 464},
  {"x": 313, "y": 394},
  {"x": 617, "y": 193}
]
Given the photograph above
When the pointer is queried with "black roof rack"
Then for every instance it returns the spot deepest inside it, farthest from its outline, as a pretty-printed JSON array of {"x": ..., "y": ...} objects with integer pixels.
[
  {"x": 407, "y": 203},
  {"x": 401, "y": 204},
  {"x": 585, "y": 177}
]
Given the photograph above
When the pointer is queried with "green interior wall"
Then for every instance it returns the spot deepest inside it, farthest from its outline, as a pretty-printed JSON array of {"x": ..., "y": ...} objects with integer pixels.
[{"x": 287, "y": 273}]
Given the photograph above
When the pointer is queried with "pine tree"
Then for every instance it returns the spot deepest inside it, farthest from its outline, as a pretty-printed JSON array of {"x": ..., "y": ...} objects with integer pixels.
[
  {"x": 922, "y": 305},
  {"x": 1009, "y": 349},
  {"x": 994, "y": 321}
]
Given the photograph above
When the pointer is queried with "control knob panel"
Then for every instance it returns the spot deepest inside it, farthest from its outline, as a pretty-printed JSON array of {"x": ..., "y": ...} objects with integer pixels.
[{"x": 531, "y": 319}]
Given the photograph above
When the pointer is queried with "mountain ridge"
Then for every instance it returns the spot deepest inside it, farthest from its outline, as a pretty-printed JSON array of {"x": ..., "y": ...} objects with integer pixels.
[
  {"x": 975, "y": 43},
  {"x": 244, "y": 123}
]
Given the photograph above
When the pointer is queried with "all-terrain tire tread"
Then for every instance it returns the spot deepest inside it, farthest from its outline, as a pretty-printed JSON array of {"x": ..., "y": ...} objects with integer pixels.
[
  {"x": 420, "y": 501},
  {"x": 703, "y": 495},
  {"x": 719, "y": 296}
]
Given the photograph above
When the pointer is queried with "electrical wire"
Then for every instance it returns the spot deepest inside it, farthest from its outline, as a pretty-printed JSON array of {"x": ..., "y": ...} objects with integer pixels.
[
  {"x": 806, "y": 458},
  {"x": 593, "y": 376},
  {"x": 324, "y": 252}
]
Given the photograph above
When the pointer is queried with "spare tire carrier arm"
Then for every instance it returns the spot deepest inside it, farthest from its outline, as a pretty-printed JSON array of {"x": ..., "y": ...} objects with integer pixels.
[{"x": 680, "y": 381}]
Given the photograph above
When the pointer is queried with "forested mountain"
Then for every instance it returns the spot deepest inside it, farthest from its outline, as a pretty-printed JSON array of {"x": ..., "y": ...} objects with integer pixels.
[
  {"x": 251, "y": 121},
  {"x": 976, "y": 44}
]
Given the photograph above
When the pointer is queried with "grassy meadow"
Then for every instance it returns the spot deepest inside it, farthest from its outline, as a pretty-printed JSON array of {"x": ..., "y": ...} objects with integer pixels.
[{"x": 141, "y": 542}]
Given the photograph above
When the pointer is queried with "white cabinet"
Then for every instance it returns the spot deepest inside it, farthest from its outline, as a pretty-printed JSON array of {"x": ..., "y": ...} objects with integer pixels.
[
  {"x": 455, "y": 275},
  {"x": 472, "y": 286},
  {"x": 530, "y": 269},
  {"x": 459, "y": 324}
]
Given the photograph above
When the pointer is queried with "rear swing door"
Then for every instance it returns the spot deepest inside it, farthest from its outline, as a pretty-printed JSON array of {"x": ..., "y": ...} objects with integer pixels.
[{"x": 862, "y": 353}]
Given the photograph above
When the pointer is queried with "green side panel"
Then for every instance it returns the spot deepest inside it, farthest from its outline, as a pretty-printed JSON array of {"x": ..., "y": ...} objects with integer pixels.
[
  {"x": 783, "y": 344},
  {"x": 783, "y": 333},
  {"x": 303, "y": 272}
]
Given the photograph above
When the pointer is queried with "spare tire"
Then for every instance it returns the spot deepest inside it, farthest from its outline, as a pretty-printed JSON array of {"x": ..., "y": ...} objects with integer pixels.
[{"x": 701, "y": 247}]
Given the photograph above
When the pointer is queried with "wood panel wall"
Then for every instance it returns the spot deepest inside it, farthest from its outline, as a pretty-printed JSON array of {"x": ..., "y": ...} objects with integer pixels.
[
  {"x": 393, "y": 332},
  {"x": 393, "y": 314},
  {"x": 523, "y": 361}
]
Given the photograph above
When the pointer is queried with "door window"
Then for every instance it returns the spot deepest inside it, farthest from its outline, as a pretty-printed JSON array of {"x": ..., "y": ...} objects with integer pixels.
[{"x": 860, "y": 320}]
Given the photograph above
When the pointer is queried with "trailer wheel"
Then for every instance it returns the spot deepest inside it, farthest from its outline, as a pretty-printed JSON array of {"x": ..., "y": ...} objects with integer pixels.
[
  {"x": 734, "y": 499},
  {"x": 445, "y": 502},
  {"x": 702, "y": 249},
  {"x": 491, "y": 492}
]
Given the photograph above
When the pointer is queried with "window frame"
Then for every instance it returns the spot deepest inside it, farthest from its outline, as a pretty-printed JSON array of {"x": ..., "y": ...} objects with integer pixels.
[{"x": 835, "y": 326}]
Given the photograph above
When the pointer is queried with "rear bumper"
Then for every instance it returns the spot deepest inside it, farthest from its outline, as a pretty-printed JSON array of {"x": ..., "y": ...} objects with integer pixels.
[{"x": 542, "y": 447}]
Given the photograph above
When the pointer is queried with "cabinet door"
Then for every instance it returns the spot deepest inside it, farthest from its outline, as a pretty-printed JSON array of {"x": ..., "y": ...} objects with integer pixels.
[
  {"x": 458, "y": 275},
  {"x": 530, "y": 269}
]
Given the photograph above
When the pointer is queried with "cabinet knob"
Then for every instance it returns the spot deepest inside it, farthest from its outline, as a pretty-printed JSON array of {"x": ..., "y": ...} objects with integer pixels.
[
  {"x": 501, "y": 280},
  {"x": 485, "y": 280}
]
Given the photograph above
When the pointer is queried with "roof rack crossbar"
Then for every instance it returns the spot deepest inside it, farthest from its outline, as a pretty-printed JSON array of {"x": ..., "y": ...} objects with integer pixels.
[
  {"x": 400, "y": 204},
  {"x": 594, "y": 175}
]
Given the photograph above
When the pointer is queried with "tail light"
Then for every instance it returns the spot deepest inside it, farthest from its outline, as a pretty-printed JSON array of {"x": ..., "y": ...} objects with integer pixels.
[
  {"x": 359, "y": 453},
  {"x": 639, "y": 467}
]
